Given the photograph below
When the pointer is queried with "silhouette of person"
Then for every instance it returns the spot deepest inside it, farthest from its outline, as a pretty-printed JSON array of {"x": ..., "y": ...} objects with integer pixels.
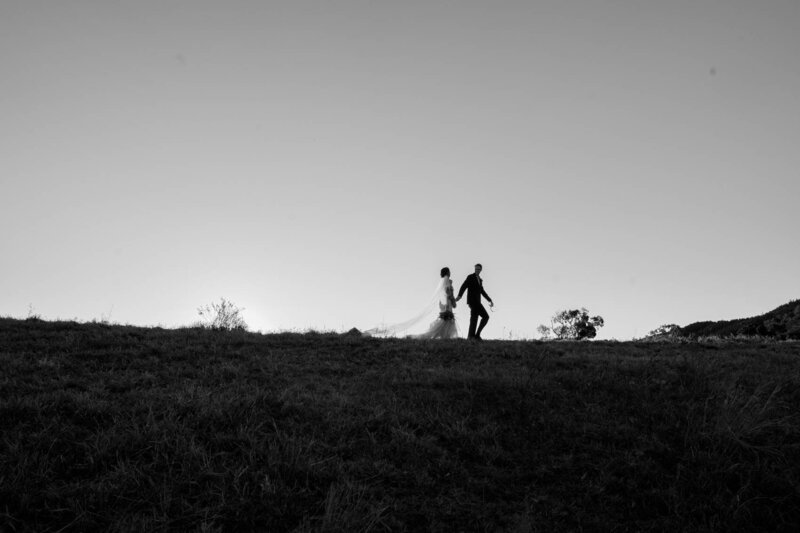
[{"x": 474, "y": 287}]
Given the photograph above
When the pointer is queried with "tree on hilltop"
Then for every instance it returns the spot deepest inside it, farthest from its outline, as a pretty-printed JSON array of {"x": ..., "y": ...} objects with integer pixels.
[{"x": 574, "y": 324}]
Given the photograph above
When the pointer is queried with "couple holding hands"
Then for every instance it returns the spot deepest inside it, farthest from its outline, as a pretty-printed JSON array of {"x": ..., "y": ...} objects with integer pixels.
[{"x": 445, "y": 327}]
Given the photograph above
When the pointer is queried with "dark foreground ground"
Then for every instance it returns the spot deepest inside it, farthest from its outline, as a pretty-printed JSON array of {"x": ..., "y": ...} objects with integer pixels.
[{"x": 117, "y": 428}]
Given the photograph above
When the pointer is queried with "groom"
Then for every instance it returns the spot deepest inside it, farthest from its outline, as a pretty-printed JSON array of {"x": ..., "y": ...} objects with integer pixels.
[{"x": 474, "y": 287}]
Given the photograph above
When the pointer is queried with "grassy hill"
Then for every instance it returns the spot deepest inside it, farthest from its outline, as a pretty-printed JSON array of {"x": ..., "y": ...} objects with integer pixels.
[
  {"x": 119, "y": 428},
  {"x": 781, "y": 323}
]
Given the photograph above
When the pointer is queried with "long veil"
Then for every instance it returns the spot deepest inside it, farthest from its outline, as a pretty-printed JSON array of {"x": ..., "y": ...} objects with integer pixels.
[{"x": 428, "y": 314}]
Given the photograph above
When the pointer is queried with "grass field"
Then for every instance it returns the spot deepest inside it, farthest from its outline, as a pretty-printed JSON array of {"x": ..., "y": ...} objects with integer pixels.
[{"x": 119, "y": 428}]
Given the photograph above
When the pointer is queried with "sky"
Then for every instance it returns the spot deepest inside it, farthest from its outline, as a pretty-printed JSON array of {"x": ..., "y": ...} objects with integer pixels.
[{"x": 317, "y": 163}]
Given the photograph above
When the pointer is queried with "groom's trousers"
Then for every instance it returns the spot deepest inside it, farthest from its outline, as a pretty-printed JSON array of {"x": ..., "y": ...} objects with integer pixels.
[{"x": 476, "y": 311}]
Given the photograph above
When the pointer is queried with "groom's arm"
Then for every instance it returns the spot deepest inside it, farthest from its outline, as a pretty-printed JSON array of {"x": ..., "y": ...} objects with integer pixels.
[{"x": 486, "y": 295}]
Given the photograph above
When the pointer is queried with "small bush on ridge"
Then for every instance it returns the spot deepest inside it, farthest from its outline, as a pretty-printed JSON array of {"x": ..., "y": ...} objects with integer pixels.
[{"x": 222, "y": 316}]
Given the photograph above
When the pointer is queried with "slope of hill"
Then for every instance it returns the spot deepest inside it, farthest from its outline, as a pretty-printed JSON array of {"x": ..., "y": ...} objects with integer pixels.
[
  {"x": 781, "y": 323},
  {"x": 120, "y": 428}
]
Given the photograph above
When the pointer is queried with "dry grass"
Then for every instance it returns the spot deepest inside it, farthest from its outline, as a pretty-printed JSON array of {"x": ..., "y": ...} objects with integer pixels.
[{"x": 115, "y": 428}]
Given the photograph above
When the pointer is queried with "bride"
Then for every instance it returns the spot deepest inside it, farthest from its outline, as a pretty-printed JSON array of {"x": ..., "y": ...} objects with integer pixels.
[{"x": 444, "y": 327}]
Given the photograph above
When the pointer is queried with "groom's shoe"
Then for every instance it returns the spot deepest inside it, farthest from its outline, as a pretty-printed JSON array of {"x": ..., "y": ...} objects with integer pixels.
[{"x": 477, "y": 338}]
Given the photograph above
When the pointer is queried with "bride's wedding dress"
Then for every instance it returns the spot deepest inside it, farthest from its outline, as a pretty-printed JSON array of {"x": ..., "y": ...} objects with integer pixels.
[{"x": 440, "y": 309}]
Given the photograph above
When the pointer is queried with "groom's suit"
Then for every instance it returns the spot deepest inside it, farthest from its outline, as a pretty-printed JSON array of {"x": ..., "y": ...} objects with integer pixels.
[{"x": 474, "y": 287}]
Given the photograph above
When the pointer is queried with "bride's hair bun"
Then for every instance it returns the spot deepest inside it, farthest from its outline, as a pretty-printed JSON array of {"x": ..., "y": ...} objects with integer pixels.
[{"x": 445, "y": 272}]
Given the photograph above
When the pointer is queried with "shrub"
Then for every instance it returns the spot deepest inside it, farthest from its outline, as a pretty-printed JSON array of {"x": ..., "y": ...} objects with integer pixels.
[
  {"x": 665, "y": 330},
  {"x": 544, "y": 331},
  {"x": 222, "y": 316},
  {"x": 575, "y": 324}
]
